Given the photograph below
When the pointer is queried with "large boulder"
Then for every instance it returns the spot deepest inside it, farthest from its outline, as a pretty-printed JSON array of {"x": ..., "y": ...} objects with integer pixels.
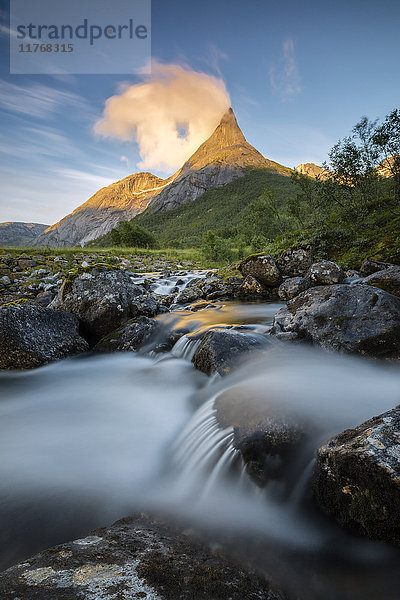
[
  {"x": 263, "y": 268},
  {"x": 32, "y": 335},
  {"x": 349, "y": 318},
  {"x": 387, "y": 279},
  {"x": 221, "y": 350},
  {"x": 268, "y": 436},
  {"x": 137, "y": 557},
  {"x": 102, "y": 302},
  {"x": 357, "y": 477},
  {"x": 129, "y": 337},
  {"x": 292, "y": 287},
  {"x": 326, "y": 272},
  {"x": 295, "y": 261}
]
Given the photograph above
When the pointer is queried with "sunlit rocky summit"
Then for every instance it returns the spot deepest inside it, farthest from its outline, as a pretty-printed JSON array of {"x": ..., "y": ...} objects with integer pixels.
[{"x": 223, "y": 157}]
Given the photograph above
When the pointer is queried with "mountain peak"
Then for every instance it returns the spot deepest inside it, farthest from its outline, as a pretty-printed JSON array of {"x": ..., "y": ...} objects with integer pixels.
[{"x": 224, "y": 138}]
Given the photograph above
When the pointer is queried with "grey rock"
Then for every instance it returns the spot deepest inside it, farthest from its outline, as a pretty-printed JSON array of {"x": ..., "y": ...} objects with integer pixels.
[
  {"x": 387, "y": 279},
  {"x": 221, "y": 350},
  {"x": 137, "y": 557},
  {"x": 130, "y": 337},
  {"x": 326, "y": 272},
  {"x": 32, "y": 336},
  {"x": 102, "y": 303},
  {"x": 263, "y": 268},
  {"x": 353, "y": 319},
  {"x": 251, "y": 287},
  {"x": 357, "y": 477},
  {"x": 146, "y": 306},
  {"x": 293, "y": 287},
  {"x": 268, "y": 437},
  {"x": 44, "y": 298},
  {"x": 372, "y": 266},
  {"x": 295, "y": 261}
]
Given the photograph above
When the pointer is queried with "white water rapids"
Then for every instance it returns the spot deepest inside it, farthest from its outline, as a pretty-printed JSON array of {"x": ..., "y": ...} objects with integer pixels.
[{"x": 86, "y": 441}]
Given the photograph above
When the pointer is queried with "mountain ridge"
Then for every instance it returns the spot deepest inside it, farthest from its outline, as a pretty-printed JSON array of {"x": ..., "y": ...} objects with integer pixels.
[
  {"x": 223, "y": 157},
  {"x": 18, "y": 233}
]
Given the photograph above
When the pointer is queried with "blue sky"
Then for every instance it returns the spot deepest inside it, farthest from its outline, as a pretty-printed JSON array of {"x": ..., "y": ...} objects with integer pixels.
[{"x": 299, "y": 75}]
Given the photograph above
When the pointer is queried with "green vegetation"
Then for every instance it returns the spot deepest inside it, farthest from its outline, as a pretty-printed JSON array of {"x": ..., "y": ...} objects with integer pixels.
[
  {"x": 129, "y": 234},
  {"x": 218, "y": 209}
]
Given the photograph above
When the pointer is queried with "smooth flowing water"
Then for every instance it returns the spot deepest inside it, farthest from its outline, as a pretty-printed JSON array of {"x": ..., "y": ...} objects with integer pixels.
[{"x": 86, "y": 441}]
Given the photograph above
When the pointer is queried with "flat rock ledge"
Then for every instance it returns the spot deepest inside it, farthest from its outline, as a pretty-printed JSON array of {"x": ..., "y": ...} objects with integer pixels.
[{"x": 136, "y": 558}]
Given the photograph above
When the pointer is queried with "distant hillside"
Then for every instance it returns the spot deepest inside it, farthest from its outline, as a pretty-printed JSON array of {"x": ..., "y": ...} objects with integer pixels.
[
  {"x": 14, "y": 233},
  {"x": 218, "y": 209}
]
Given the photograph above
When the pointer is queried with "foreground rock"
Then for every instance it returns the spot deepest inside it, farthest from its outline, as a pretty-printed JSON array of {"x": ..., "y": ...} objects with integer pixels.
[
  {"x": 32, "y": 336},
  {"x": 354, "y": 319},
  {"x": 102, "y": 302},
  {"x": 263, "y": 268},
  {"x": 135, "y": 558},
  {"x": 221, "y": 350},
  {"x": 387, "y": 279},
  {"x": 268, "y": 437},
  {"x": 357, "y": 477},
  {"x": 130, "y": 337}
]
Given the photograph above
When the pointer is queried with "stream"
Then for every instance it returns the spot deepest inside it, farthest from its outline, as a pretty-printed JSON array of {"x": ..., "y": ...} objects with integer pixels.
[{"x": 89, "y": 440}]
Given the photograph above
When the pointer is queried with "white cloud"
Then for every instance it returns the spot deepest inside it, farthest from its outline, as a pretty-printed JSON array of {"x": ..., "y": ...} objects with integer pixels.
[
  {"x": 154, "y": 112},
  {"x": 37, "y": 100},
  {"x": 284, "y": 78}
]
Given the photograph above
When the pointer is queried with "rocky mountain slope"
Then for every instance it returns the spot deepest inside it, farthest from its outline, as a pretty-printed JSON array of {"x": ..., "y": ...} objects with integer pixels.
[
  {"x": 312, "y": 170},
  {"x": 15, "y": 233},
  {"x": 225, "y": 156}
]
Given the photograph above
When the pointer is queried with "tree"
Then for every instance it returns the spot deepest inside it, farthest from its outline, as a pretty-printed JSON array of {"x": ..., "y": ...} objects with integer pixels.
[
  {"x": 262, "y": 217},
  {"x": 387, "y": 141},
  {"x": 129, "y": 234},
  {"x": 216, "y": 248}
]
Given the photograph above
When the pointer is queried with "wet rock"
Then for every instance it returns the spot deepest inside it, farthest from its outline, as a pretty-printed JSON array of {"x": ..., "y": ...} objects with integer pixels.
[
  {"x": 189, "y": 294},
  {"x": 146, "y": 306},
  {"x": 293, "y": 287},
  {"x": 210, "y": 287},
  {"x": 268, "y": 437},
  {"x": 372, "y": 266},
  {"x": 102, "y": 303},
  {"x": 295, "y": 261},
  {"x": 349, "y": 318},
  {"x": 32, "y": 336},
  {"x": 263, "y": 268},
  {"x": 326, "y": 272},
  {"x": 387, "y": 279},
  {"x": 130, "y": 337},
  {"x": 251, "y": 287},
  {"x": 136, "y": 558},
  {"x": 222, "y": 349},
  {"x": 357, "y": 477}
]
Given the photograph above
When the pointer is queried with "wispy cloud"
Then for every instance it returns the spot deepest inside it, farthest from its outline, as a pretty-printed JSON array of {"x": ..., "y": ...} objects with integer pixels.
[
  {"x": 38, "y": 100},
  {"x": 284, "y": 77},
  {"x": 91, "y": 179}
]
